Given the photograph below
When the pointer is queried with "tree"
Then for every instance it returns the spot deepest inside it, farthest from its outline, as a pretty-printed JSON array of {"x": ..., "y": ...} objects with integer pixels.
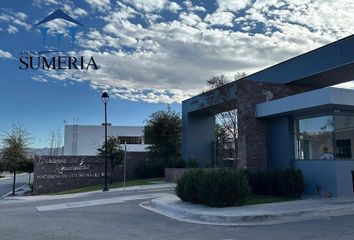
[
  {"x": 55, "y": 142},
  {"x": 163, "y": 131},
  {"x": 226, "y": 120},
  {"x": 115, "y": 153},
  {"x": 14, "y": 151}
]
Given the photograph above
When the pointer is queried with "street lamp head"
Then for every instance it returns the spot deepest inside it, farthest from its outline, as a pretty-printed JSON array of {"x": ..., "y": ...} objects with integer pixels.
[{"x": 105, "y": 97}]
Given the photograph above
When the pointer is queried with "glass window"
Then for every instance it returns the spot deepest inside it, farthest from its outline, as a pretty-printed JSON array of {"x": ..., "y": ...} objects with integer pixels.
[
  {"x": 130, "y": 140},
  {"x": 315, "y": 138},
  {"x": 344, "y": 137},
  {"x": 325, "y": 137}
]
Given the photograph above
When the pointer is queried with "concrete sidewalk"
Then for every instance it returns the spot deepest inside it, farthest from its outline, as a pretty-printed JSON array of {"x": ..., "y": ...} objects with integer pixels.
[
  {"x": 152, "y": 187},
  {"x": 253, "y": 215}
]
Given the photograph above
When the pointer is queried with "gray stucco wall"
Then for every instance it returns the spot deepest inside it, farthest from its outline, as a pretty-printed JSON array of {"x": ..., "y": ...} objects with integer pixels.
[
  {"x": 331, "y": 175},
  {"x": 344, "y": 178},
  {"x": 280, "y": 142},
  {"x": 198, "y": 133}
]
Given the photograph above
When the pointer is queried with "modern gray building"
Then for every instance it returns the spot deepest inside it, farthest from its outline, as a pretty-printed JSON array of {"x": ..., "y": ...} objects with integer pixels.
[
  {"x": 288, "y": 116},
  {"x": 86, "y": 139}
]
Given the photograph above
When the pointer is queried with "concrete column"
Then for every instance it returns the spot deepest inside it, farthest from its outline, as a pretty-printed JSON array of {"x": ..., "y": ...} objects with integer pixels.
[
  {"x": 280, "y": 142},
  {"x": 198, "y": 133}
]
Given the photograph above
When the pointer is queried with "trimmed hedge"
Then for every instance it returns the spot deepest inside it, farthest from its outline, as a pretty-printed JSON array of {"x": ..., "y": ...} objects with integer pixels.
[
  {"x": 287, "y": 183},
  {"x": 230, "y": 187},
  {"x": 213, "y": 187}
]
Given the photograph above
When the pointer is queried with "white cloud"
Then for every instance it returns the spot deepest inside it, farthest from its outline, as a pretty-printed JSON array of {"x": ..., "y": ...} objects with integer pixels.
[
  {"x": 168, "y": 61},
  {"x": 73, "y": 11},
  {"x": 193, "y": 8},
  {"x": 147, "y": 6},
  {"x": 220, "y": 18},
  {"x": 39, "y": 79},
  {"x": 4, "y": 54},
  {"x": 190, "y": 19},
  {"x": 21, "y": 16},
  {"x": 174, "y": 7},
  {"x": 12, "y": 29},
  {"x": 233, "y": 5},
  {"x": 42, "y": 3},
  {"x": 16, "y": 19},
  {"x": 100, "y": 5}
]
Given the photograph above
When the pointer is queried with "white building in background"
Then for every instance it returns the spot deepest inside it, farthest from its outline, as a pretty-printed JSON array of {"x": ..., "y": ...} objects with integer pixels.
[{"x": 85, "y": 139}]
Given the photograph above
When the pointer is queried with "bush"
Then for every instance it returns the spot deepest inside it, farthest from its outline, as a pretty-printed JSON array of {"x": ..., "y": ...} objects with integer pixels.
[
  {"x": 288, "y": 183},
  {"x": 193, "y": 162},
  {"x": 293, "y": 183},
  {"x": 150, "y": 169},
  {"x": 188, "y": 184},
  {"x": 26, "y": 166},
  {"x": 176, "y": 162},
  {"x": 214, "y": 188}
]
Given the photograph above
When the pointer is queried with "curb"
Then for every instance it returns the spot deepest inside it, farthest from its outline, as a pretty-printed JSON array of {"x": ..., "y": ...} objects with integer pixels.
[
  {"x": 132, "y": 189},
  {"x": 172, "y": 207}
]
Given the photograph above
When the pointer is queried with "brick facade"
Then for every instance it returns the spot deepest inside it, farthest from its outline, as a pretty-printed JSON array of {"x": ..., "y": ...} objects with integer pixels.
[{"x": 252, "y": 150}]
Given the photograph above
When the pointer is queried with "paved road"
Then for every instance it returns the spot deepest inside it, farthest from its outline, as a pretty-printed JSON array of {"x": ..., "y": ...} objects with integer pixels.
[
  {"x": 6, "y": 184},
  {"x": 126, "y": 220}
]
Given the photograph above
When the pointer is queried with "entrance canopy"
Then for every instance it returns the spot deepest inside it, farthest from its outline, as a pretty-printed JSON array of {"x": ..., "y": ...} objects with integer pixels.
[
  {"x": 319, "y": 100},
  {"x": 326, "y": 66}
]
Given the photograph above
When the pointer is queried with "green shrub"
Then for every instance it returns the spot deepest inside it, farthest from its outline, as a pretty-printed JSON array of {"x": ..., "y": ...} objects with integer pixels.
[
  {"x": 187, "y": 185},
  {"x": 288, "y": 183},
  {"x": 193, "y": 162},
  {"x": 26, "y": 166},
  {"x": 150, "y": 169},
  {"x": 262, "y": 183},
  {"x": 176, "y": 162},
  {"x": 215, "y": 188},
  {"x": 293, "y": 183}
]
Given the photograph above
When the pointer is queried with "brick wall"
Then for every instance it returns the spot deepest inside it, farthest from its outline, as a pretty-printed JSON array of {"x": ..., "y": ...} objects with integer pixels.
[{"x": 252, "y": 151}]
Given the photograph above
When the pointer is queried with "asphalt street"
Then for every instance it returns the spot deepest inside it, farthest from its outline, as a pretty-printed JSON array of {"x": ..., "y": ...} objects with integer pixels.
[
  {"x": 124, "y": 219},
  {"x": 6, "y": 184}
]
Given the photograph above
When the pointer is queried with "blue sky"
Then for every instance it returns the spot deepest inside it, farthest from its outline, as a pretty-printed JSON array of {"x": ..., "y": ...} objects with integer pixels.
[{"x": 151, "y": 53}]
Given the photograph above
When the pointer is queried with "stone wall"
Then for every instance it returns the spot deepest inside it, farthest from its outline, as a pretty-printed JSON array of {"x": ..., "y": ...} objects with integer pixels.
[
  {"x": 252, "y": 150},
  {"x": 62, "y": 173},
  {"x": 172, "y": 174}
]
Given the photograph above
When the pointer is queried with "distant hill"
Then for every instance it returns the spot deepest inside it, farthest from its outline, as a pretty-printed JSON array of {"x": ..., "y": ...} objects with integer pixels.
[{"x": 44, "y": 151}]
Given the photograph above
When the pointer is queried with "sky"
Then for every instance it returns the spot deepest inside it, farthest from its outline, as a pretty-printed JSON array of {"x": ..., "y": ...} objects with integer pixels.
[{"x": 150, "y": 53}]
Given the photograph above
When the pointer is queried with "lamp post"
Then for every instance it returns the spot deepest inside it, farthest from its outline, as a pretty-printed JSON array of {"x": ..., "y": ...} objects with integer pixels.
[{"x": 105, "y": 99}]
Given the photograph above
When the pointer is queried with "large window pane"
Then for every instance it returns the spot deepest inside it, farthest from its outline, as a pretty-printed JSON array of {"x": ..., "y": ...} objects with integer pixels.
[
  {"x": 344, "y": 137},
  {"x": 315, "y": 138},
  {"x": 130, "y": 140}
]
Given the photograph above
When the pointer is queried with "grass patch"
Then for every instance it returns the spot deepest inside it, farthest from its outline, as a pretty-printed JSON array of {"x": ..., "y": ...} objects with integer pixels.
[
  {"x": 261, "y": 199},
  {"x": 130, "y": 183}
]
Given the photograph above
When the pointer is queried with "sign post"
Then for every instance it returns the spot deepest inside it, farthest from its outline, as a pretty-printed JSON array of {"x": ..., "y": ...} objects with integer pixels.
[{"x": 125, "y": 163}]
